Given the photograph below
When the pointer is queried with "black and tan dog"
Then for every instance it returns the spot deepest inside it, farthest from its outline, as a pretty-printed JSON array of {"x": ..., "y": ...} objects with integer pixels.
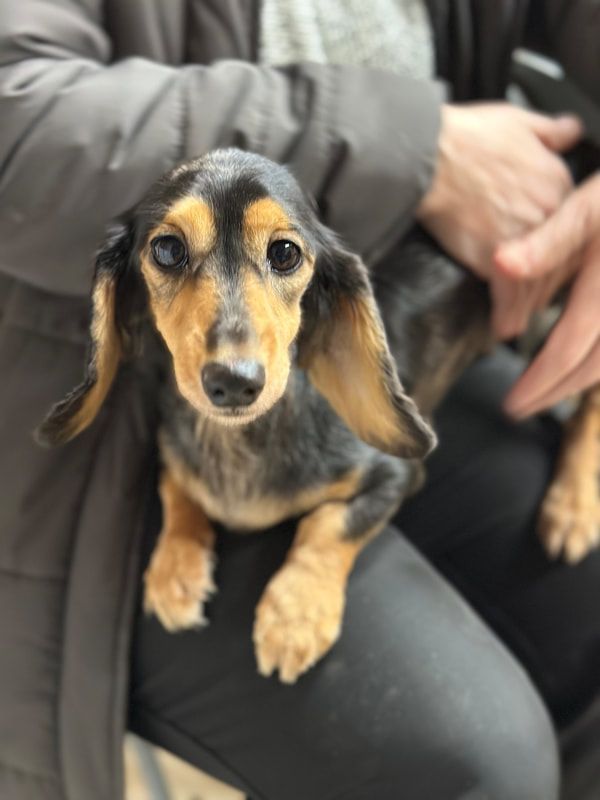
[
  {"x": 279, "y": 396},
  {"x": 244, "y": 284}
]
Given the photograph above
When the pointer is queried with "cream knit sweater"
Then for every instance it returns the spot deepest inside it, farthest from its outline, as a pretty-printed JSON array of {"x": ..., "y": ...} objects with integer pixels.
[{"x": 387, "y": 34}]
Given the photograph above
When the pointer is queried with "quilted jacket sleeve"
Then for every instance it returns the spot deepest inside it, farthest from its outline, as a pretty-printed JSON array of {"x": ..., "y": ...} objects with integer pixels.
[{"x": 82, "y": 136}]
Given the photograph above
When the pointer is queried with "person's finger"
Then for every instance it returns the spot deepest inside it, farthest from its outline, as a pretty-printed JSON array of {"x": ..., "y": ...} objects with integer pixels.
[
  {"x": 551, "y": 188},
  {"x": 547, "y": 247},
  {"x": 541, "y": 294},
  {"x": 523, "y": 306},
  {"x": 557, "y": 133},
  {"x": 558, "y": 240},
  {"x": 510, "y": 302},
  {"x": 502, "y": 294},
  {"x": 585, "y": 375},
  {"x": 513, "y": 304},
  {"x": 568, "y": 346},
  {"x": 555, "y": 281}
]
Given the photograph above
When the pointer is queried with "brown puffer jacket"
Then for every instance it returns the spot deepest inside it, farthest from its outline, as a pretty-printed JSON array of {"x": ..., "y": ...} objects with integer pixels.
[{"x": 96, "y": 100}]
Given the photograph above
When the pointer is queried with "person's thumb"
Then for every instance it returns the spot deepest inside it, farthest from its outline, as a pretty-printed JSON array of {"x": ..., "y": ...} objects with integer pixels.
[
  {"x": 557, "y": 133},
  {"x": 547, "y": 247}
]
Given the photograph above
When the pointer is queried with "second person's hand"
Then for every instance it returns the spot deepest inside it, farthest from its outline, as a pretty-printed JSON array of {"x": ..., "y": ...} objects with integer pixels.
[
  {"x": 566, "y": 245},
  {"x": 498, "y": 176}
]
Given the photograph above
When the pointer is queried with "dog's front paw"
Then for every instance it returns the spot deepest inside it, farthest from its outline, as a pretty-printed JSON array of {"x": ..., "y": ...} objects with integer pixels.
[
  {"x": 178, "y": 582},
  {"x": 570, "y": 517},
  {"x": 298, "y": 619}
]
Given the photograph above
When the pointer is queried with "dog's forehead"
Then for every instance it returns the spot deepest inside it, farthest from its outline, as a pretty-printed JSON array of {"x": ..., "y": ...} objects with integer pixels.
[
  {"x": 229, "y": 192},
  {"x": 249, "y": 197}
]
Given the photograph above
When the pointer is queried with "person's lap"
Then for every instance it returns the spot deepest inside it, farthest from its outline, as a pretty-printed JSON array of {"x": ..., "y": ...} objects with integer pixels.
[{"x": 418, "y": 693}]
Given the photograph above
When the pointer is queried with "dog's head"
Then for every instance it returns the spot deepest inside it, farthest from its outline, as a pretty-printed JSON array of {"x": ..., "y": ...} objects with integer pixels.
[{"x": 240, "y": 278}]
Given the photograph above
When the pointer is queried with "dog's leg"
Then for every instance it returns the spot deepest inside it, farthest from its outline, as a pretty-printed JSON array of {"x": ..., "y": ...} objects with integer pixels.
[
  {"x": 570, "y": 514},
  {"x": 179, "y": 578},
  {"x": 299, "y": 616}
]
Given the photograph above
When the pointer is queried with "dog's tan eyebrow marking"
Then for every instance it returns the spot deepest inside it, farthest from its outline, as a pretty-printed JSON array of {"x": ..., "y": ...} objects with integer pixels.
[
  {"x": 195, "y": 219},
  {"x": 261, "y": 218}
]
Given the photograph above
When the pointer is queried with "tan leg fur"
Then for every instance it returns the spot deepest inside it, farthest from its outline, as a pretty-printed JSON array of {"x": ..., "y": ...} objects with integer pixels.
[
  {"x": 179, "y": 578},
  {"x": 570, "y": 515},
  {"x": 299, "y": 616}
]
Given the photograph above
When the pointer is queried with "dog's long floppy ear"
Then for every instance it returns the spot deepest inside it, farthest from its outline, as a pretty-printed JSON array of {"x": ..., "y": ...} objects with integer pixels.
[
  {"x": 107, "y": 339},
  {"x": 343, "y": 348}
]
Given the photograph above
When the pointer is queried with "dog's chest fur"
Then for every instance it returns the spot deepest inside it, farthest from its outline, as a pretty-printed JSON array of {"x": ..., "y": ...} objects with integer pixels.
[{"x": 282, "y": 465}]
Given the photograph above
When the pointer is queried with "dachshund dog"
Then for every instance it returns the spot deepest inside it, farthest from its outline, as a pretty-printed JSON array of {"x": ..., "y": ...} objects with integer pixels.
[{"x": 279, "y": 396}]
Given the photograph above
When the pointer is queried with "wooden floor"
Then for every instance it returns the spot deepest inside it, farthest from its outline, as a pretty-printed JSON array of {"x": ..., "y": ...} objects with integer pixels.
[{"x": 185, "y": 782}]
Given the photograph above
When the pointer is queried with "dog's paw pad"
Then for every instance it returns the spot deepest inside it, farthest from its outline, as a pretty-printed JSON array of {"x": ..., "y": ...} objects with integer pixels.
[
  {"x": 178, "y": 581},
  {"x": 297, "y": 621},
  {"x": 570, "y": 521}
]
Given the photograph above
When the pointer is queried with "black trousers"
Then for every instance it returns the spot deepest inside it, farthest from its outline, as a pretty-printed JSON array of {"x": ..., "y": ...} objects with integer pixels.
[{"x": 420, "y": 699}]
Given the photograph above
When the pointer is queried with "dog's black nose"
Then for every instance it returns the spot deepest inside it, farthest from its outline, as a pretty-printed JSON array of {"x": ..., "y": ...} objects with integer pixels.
[{"x": 235, "y": 384}]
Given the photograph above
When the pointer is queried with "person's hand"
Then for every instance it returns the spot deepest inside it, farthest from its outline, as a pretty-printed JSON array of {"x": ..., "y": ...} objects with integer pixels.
[
  {"x": 498, "y": 175},
  {"x": 516, "y": 299},
  {"x": 566, "y": 245}
]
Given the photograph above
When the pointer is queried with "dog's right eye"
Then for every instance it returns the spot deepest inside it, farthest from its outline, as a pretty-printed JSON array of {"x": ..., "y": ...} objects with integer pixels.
[{"x": 169, "y": 252}]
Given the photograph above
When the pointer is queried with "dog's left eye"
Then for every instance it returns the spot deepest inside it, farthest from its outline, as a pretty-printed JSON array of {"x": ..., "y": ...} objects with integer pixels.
[
  {"x": 284, "y": 256},
  {"x": 169, "y": 252}
]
